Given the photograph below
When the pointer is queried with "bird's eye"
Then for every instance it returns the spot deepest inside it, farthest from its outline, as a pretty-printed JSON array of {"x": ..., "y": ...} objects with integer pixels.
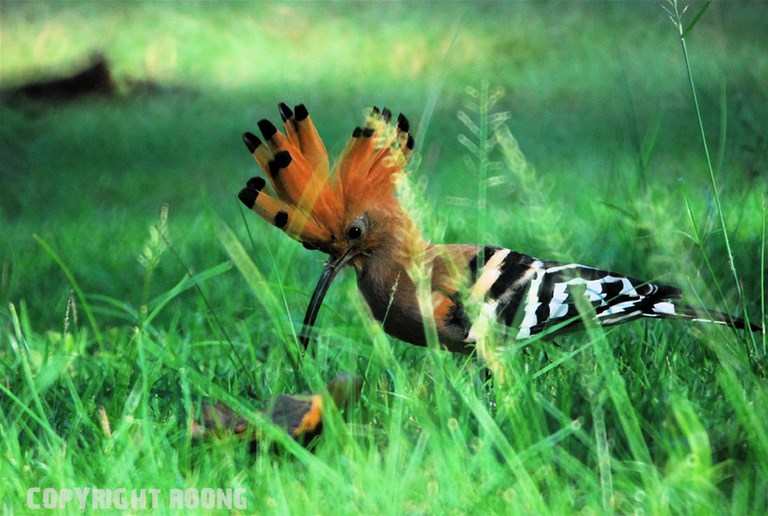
[{"x": 354, "y": 232}]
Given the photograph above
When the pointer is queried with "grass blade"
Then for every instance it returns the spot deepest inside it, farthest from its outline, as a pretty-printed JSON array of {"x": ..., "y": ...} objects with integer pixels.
[
  {"x": 73, "y": 283},
  {"x": 696, "y": 18}
]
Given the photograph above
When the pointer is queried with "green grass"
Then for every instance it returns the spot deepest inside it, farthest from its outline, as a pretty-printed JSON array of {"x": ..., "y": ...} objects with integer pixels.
[{"x": 601, "y": 161}]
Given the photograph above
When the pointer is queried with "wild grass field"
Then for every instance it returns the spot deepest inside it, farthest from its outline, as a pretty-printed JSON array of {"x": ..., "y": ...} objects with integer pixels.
[{"x": 104, "y": 320}]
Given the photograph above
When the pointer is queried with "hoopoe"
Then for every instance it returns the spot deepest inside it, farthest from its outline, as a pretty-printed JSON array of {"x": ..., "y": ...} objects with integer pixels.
[{"x": 354, "y": 215}]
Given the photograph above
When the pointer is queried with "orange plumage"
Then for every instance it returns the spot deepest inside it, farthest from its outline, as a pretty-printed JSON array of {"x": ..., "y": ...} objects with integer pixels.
[
  {"x": 353, "y": 214},
  {"x": 315, "y": 204}
]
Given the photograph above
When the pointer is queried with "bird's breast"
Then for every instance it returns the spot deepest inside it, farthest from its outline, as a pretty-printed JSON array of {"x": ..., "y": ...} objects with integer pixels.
[
  {"x": 392, "y": 300},
  {"x": 391, "y": 296}
]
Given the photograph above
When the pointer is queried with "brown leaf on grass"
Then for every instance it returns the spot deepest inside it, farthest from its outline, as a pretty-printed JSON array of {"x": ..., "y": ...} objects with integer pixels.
[{"x": 301, "y": 416}]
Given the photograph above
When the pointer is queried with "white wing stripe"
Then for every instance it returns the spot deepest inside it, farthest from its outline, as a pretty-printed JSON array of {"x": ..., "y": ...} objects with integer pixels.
[
  {"x": 489, "y": 275},
  {"x": 557, "y": 307},
  {"x": 532, "y": 302},
  {"x": 618, "y": 308},
  {"x": 482, "y": 322},
  {"x": 664, "y": 308}
]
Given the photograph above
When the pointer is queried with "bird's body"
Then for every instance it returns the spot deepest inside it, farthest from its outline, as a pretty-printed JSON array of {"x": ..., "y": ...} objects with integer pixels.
[
  {"x": 355, "y": 216},
  {"x": 524, "y": 295},
  {"x": 391, "y": 294}
]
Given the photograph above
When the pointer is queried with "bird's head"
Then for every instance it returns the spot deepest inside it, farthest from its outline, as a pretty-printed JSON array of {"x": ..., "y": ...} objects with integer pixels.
[{"x": 349, "y": 211}]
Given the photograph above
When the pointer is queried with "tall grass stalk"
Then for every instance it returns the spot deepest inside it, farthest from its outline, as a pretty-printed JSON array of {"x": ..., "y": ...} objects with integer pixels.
[
  {"x": 264, "y": 294},
  {"x": 75, "y": 286},
  {"x": 482, "y": 123},
  {"x": 763, "y": 273},
  {"x": 676, "y": 16},
  {"x": 234, "y": 355},
  {"x": 603, "y": 454}
]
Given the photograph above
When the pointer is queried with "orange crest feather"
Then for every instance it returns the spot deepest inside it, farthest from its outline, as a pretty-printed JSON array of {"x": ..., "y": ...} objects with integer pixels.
[{"x": 312, "y": 203}]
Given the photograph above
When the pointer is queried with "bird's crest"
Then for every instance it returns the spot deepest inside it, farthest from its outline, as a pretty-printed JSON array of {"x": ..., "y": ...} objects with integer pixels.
[{"x": 313, "y": 201}]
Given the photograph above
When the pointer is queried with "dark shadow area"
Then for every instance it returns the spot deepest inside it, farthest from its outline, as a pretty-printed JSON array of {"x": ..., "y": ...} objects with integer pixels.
[{"x": 93, "y": 79}]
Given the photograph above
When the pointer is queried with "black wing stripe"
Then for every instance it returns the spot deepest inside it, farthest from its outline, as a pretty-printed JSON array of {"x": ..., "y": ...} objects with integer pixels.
[
  {"x": 513, "y": 269},
  {"x": 545, "y": 293},
  {"x": 541, "y": 294},
  {"x": 507, "y": 310},
  {"x": 612, "y": 290},
  {"x": 502, "y": 282},
  {"x": 614, "y": 297}
]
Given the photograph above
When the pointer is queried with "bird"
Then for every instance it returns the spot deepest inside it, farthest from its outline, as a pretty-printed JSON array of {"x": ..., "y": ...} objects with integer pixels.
[{"x": 352, "y": 212}]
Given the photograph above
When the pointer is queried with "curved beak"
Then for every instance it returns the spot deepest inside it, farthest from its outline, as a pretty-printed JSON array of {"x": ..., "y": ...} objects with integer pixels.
[{"x": 330, "y": 271}]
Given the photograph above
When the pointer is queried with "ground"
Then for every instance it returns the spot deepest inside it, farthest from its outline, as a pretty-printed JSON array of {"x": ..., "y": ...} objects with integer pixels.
[{"x": 595, "y": 156}]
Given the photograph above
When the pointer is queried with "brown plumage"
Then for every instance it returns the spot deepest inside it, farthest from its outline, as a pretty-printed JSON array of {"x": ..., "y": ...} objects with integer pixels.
[{"x": 353, "y": 214}]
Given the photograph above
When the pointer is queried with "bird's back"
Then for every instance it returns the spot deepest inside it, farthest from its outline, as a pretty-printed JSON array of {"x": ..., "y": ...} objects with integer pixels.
[
  {"x": 525, "y": 295},
  {"x": 530, "y": 296}
]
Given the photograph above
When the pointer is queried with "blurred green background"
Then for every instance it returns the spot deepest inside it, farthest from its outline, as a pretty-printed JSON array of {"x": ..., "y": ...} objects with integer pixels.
[
  {"x": 611, "y": 172},
  {"x": 586, "y": 88}
]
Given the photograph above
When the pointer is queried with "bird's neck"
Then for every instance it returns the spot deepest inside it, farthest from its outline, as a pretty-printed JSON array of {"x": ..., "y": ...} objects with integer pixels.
[
  {"x": 405, "y": 247},
  {"x": 400, "y": 249}
]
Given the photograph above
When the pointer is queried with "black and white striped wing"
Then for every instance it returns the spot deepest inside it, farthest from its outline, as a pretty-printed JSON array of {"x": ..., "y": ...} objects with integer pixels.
[{"x": 531, "y": 295}]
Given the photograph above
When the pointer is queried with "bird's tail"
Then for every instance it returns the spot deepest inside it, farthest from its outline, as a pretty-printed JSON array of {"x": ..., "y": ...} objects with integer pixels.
[{"x": 676, "y": 309}]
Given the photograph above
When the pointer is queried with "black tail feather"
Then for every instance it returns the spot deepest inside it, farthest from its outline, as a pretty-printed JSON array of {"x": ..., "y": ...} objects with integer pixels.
[{"x": 706, "y": 316}]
